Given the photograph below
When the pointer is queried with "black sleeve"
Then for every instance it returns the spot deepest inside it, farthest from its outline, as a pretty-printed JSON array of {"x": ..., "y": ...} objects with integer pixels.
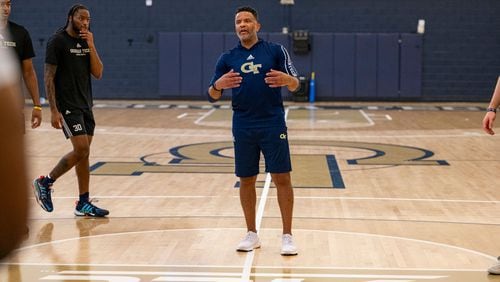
[{"x": 28, "y": 52}]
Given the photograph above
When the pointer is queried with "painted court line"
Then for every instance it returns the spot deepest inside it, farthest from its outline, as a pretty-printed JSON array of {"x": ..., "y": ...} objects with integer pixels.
[
  {"x": 330, "y": 268},
  {"x": 370, "y": 121},
  {"x": 247, "y": 267},
  {"x": 296, "y": 197},
  {"x": 204, "y": 116},
  {"x": 106, "y": 131},
  {"x": 207, "y": 275},
  {"x": 470, "y": 251}
]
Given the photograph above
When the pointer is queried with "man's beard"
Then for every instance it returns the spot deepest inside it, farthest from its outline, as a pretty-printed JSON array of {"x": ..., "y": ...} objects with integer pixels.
[{"x": 75, "y": 29}]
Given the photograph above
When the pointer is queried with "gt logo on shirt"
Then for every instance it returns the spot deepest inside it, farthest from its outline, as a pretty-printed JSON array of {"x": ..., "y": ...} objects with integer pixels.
[{"x": 250, "y": 67}]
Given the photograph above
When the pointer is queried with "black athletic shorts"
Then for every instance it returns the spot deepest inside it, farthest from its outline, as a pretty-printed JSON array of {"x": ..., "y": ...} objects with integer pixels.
[{"x": 78, "y": 122}]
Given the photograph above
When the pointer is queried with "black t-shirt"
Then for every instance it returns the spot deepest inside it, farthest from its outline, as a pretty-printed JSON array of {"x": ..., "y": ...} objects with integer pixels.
[
  {"x": 19, "y": 39},
  {"x": 72, "y": 80}
]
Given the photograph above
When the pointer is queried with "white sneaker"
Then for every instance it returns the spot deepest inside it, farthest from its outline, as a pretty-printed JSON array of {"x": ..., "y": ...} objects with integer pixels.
[
  {"x": 287, "y": 246},
  {"x": 250, "y": 242},
  {"x": 495, "y": 269}
]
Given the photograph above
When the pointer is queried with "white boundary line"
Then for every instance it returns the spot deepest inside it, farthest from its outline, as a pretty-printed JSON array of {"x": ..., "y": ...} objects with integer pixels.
[
  {"x": 237, "y": 267},
  {"x": 104, "y": 131},
  {"x": 296, "y": 197},
  {"x": 214, "y": 276},
  {"x": 370, "y": 121},
  {"x": 493, "y": 258},
  {"x": 262, "y": 202},
  {"x": 247, "y": 267},
  {"x": 204, "y": 116}
]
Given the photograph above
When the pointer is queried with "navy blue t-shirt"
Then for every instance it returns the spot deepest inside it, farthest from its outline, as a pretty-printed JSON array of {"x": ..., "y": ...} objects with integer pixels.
[{"x": 254, "y": 103}]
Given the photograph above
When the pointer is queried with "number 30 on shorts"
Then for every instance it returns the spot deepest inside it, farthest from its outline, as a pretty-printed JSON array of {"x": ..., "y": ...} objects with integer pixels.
[{"x": 77, "y": 127}]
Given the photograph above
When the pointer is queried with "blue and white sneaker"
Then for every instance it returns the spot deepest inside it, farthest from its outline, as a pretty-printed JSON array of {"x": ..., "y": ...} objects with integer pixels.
[
  {"x": 43, "y": 194},
  {"x": 89, "y": 209}
]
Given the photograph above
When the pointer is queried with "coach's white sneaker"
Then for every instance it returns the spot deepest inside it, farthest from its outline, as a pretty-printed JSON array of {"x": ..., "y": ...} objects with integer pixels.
[
  {"x": 287, "y": 246},
  {"x": 250, "y": 242},
  {"x": 495, "y": 269}
]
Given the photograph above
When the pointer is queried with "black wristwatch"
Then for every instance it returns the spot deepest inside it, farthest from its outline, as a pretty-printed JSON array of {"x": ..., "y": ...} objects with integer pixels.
[
  {"x": 214, "y": 88},
  {"x": 491, "y": 110}
]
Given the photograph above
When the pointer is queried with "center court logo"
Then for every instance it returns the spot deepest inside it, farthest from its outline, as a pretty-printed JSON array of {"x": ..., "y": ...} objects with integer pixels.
[{"x": 215, "y": 157}]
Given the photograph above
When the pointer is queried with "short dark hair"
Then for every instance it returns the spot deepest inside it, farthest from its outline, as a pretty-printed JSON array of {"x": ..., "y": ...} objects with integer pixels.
[{"x": 248, "y": 9}]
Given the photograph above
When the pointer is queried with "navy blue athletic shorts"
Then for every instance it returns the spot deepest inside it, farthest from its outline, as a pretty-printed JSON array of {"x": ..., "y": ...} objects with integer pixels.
[
  {"x": 250, "y": 142},
  {"x": 78, "y": 122}
]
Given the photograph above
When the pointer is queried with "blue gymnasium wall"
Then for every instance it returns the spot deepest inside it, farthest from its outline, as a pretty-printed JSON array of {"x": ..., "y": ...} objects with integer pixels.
[
  {"x": 348, "y": 66},
  {"x": 461, "y": 46}
]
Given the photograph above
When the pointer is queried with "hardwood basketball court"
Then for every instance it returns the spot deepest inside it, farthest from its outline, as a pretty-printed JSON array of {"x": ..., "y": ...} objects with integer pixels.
[{"x": 383, "y": 192}]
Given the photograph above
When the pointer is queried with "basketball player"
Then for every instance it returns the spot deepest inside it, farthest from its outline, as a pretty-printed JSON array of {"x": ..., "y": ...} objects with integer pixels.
[
  {"x": 14, "y": 211},
  {"x": 489, "y": 118},
  {"x": 256, "y": 70},
  {"x": 19, "y": 39},
  {"x": 71, "y": 59}
]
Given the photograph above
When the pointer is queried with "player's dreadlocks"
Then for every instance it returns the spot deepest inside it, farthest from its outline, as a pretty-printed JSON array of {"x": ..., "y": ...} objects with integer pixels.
[{"x": 72, "y": 11}]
